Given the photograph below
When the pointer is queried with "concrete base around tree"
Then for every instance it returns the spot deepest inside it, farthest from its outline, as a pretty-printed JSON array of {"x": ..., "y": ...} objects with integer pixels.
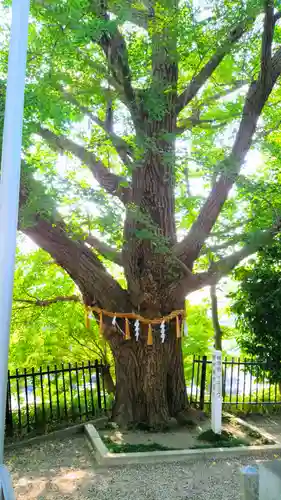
[
  {"x": 105, "y": 458},
  {"x": 59, "y": 434}
]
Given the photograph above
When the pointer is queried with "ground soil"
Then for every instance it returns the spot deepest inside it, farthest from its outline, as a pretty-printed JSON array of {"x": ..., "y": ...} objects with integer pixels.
[
  {"x": 270, "y": 424},
  {"x": 177, "y": 437}
]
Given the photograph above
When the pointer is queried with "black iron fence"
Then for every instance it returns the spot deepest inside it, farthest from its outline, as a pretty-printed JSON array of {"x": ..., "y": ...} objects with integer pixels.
[
  {"x": 45, "y": 399},
  {"x": 40, "y": 401},
  {"x": 245, "y": 383}
]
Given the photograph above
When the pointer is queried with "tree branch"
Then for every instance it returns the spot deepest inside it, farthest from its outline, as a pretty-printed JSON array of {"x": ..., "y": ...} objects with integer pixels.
[
  {"x": 237, "y": 85},
  {"x": 99, "y": 67},
  {"x": 204, "y": 74},
  {"x": 83, "y": 266},
  {"x": 234, "y": 240},
  {"x": 267, "y": 39},
  {"x": 95, "y": 283},
  {"x": 133, "y": 15},
  {"x": 224, "y": 266},
  {"x": 191, "y": 122},
  {"x": 123, "y": 149},
  {"x": 138, "y": 17},
  {"x": 48, "y": 302},
  {"x": 114, "y": 47},
  {"x": 190, "y": 247},
  {"x": 110, "y": 182},
  {"x": 215, "y": 318},
  {"x": 231, "y": 227},
  {"x": 97, "y": 353},
  {"x": 105, "y": 250},
  {"x": 194, "y": 119}
]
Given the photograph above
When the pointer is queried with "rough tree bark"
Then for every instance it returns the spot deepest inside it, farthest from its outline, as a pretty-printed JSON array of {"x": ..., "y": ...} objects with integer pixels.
[{"x": 150, "y": 385}]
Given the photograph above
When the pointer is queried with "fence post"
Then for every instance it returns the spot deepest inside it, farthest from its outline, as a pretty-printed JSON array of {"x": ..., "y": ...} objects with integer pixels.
[
  {"x": 98, "y": 383},
  {"x": 203, "y": 382},
  {"x": 9, "y": 415}
]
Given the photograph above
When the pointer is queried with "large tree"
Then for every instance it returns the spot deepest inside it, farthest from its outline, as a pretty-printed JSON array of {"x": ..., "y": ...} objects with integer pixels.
[{"x": 120, "y": 88}]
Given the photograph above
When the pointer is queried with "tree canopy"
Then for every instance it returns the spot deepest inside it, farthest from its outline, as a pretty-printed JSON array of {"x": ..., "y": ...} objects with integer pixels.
[
  {"x": 90, "y": 73},
  {"x": 143, "y": 123}
]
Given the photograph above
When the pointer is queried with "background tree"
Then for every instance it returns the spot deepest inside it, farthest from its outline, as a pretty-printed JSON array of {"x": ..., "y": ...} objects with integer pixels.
[
  {"x": 48, "y": 320},
  {"x": 147, "y": 99},
  {"x": 257, "y": 306},
  {"x": 48, "y": 317}
]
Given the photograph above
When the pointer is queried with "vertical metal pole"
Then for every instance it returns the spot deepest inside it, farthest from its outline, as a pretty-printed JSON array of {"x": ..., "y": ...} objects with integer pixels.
[
  {"x": 9, "y": 187},
  {"x": 203, "y": 382}
]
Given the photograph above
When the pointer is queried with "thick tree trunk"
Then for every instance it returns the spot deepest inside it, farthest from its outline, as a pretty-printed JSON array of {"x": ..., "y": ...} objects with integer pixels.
[{"x": 150, "y": 385}]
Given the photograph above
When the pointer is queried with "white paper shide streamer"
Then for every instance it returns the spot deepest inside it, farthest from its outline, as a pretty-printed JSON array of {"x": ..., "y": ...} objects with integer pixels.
[
  {"x": 163, "y": 331},
  {"x": 114, "y": 321},
  {"x": 137, "y": 329}
]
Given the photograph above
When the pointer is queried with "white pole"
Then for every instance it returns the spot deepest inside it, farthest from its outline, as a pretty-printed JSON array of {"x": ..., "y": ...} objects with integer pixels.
[
  {"x": 217, "y": 392},
  {"x": 9, "y": 187}
]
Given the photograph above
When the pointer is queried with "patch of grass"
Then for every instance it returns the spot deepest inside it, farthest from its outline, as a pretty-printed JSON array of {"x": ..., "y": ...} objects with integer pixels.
[
  {"x": 132, "y": 448},
  {"x": 253, "y": 434},
  {"x": 224, "y": 440},
  {"x": 227, "y": 419},
  {"x": 264, "y": 440}
]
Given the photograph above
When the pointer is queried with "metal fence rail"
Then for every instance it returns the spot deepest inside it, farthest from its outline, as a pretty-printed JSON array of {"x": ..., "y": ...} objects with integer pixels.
[
  {"x": 36, "y": 401},
  {"x": 39, "y": 401},
  {"x": 244, "y": 383}
]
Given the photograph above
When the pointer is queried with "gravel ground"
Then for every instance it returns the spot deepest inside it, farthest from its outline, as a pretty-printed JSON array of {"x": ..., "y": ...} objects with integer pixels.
[{"x": 65, "y": 469}]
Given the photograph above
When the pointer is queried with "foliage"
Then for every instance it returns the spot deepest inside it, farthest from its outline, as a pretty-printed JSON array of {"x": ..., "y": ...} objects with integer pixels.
[
  {"x": 53, "y": 334},
  {"x": 225, "y": 440},
  {"x": 138, "y": 128},
  {"x": 200, "y": 330},
  {"x": 56, "y": 333},
  {"x": 200, "y": 339},
  {"x": 257, "y": 306},
  {"x": 69, "y": 82}
]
